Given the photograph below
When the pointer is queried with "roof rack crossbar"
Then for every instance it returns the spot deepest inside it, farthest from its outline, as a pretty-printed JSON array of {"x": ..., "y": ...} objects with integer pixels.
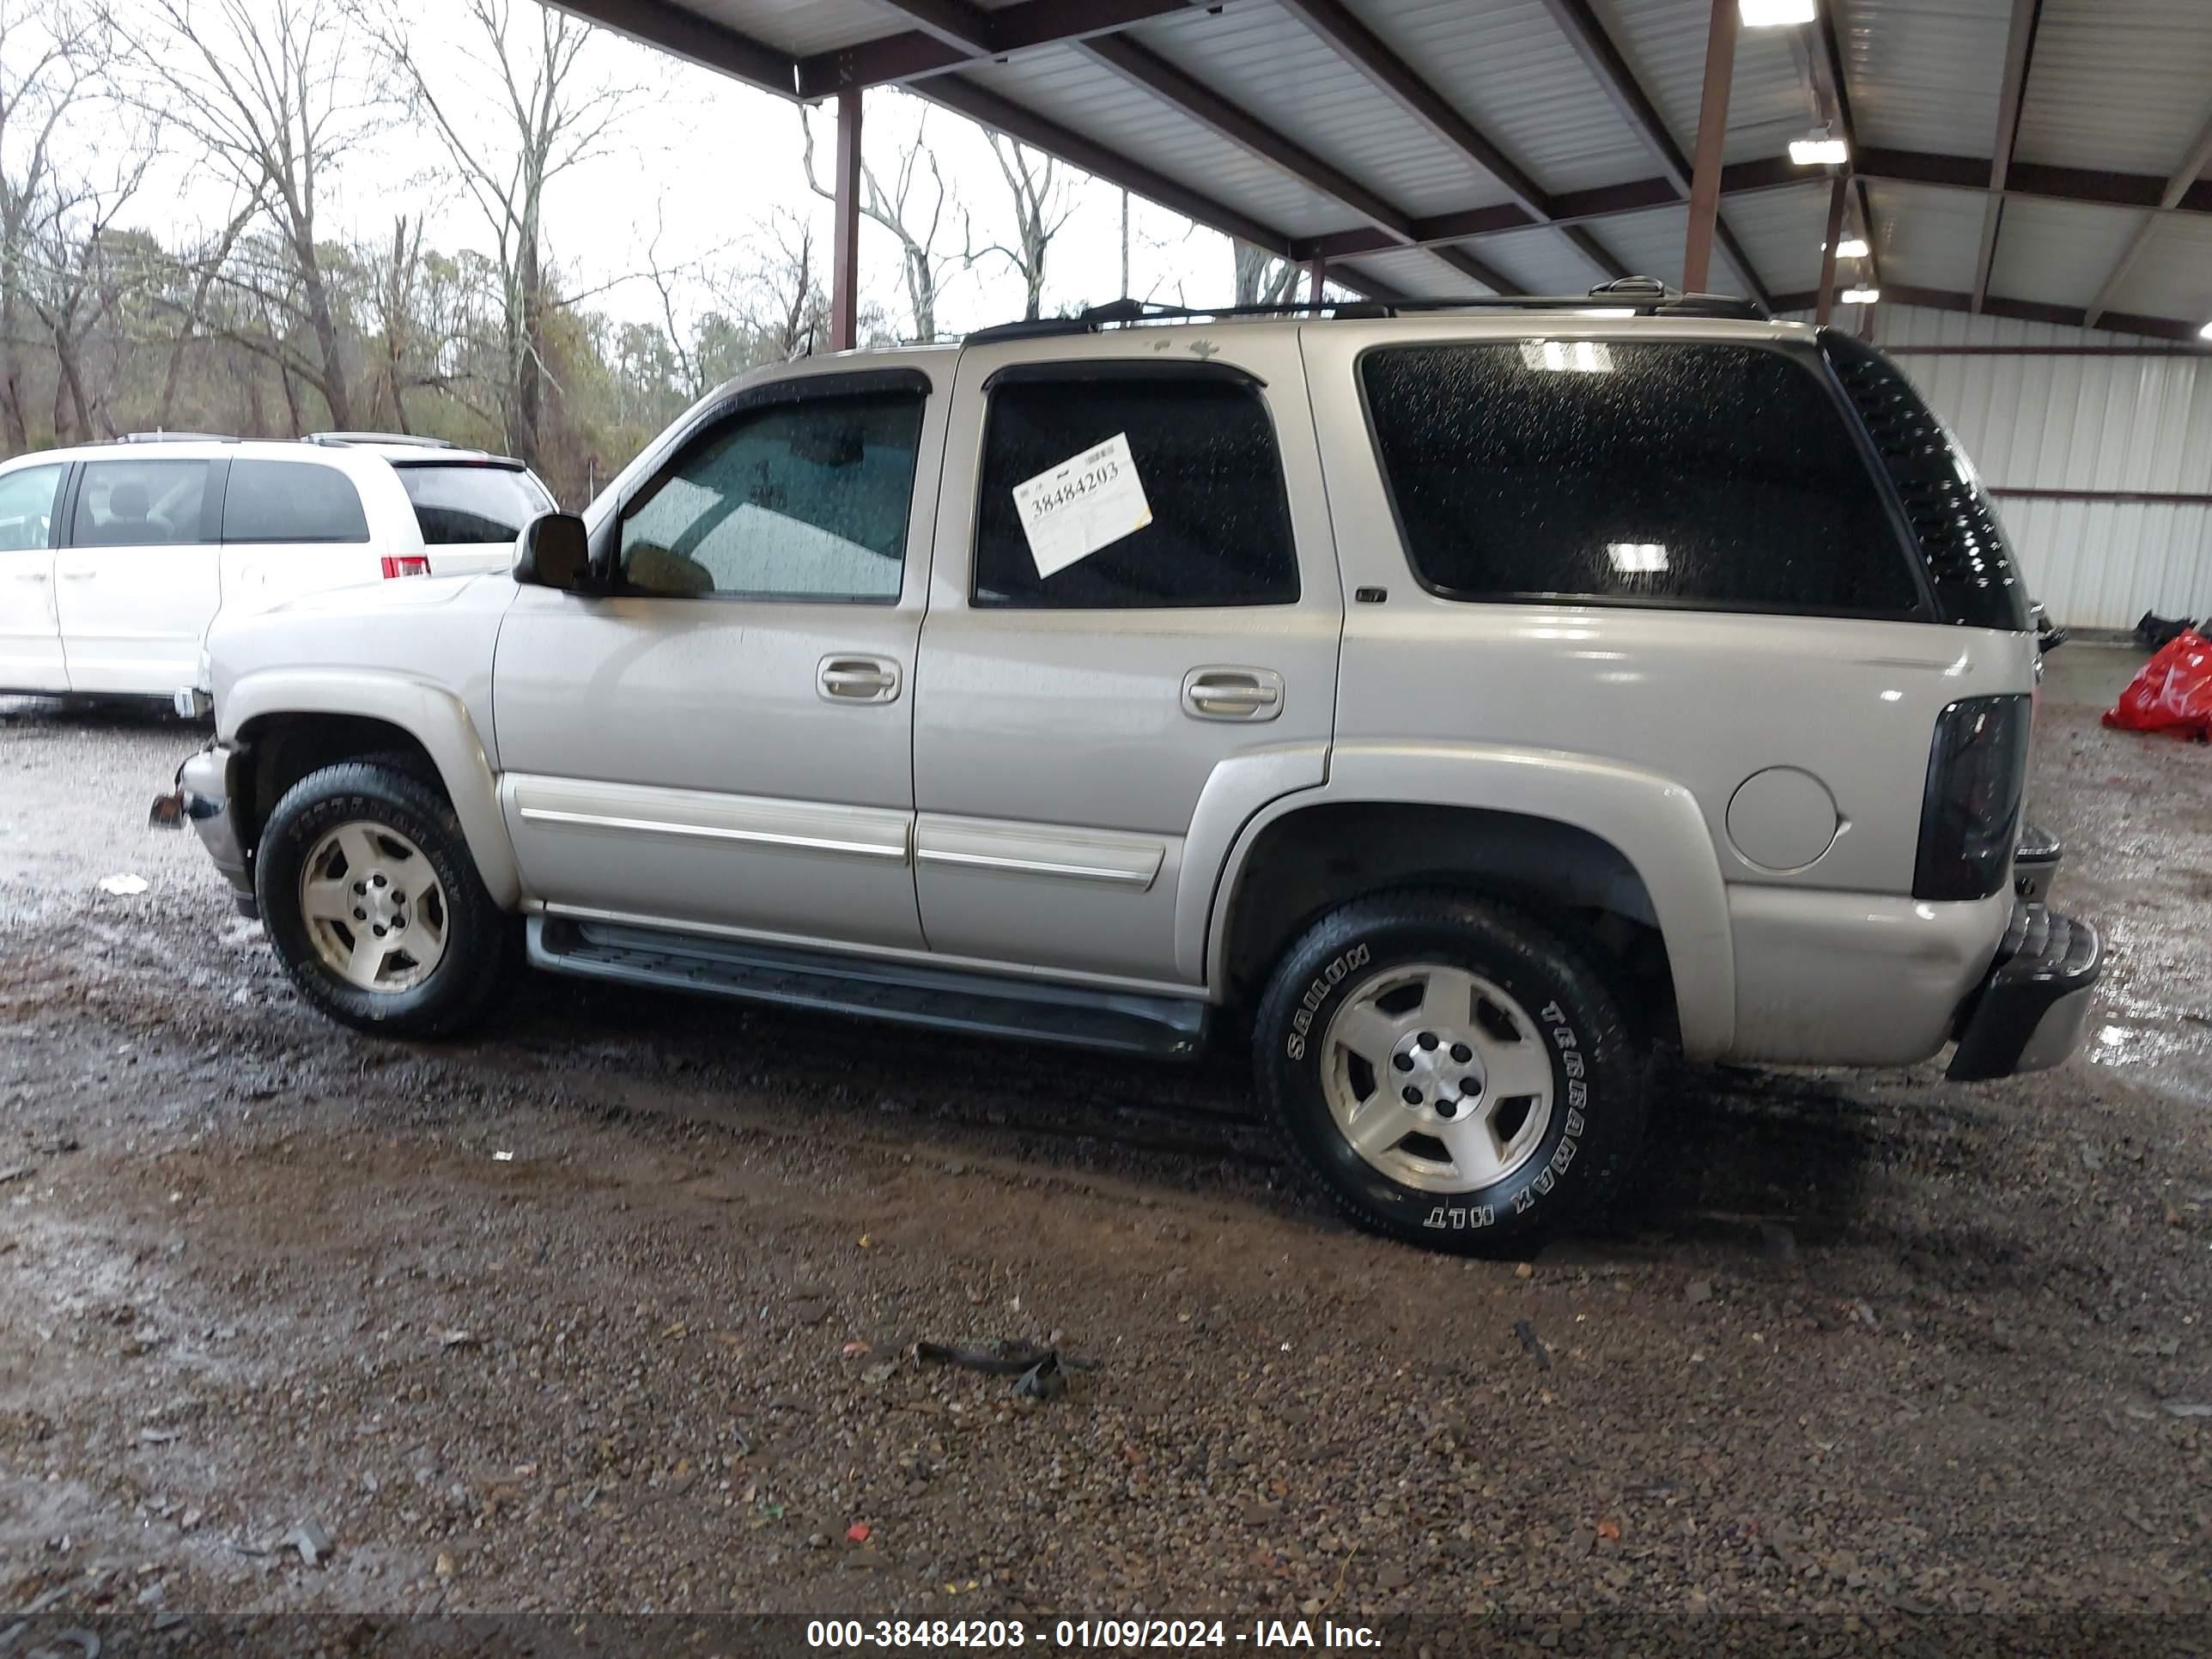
[
  {"x": 1644, "y": 296},
  {"x": 409, "y": 438}
]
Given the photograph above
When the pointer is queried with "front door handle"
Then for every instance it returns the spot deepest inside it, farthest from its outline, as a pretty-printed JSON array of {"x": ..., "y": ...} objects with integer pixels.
[
  {"x": 857, "y": 679},
  {"x": 30, "y": 575},
  {"x": 78, "y": 575},
  {"x": 1232, "y": 694}
]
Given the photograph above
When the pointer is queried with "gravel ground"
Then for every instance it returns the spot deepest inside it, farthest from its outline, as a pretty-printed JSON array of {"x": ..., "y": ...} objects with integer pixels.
[{"x": 613, "y": 1309}]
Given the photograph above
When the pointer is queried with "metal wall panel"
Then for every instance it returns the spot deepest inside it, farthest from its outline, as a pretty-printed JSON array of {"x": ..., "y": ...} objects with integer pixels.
[{"x": 2137, "y": 424}]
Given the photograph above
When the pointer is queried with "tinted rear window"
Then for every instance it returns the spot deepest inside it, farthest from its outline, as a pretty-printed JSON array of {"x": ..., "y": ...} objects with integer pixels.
[
  {"x": 461, "y": 503},
  {"x": 1717, "y": 475},
  {"x": 291, "y": 501}
]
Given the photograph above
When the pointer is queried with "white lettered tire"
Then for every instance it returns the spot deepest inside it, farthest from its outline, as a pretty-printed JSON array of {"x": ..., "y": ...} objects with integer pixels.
[{"x": 1454, "y": 1073}]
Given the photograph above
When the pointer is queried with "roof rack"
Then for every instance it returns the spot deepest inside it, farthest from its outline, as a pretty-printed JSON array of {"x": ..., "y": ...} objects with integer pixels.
[
  {"x": 1644, "y": 296},
  {"x": 177, "y": 438},
  {"x": 340, "y": 439}
]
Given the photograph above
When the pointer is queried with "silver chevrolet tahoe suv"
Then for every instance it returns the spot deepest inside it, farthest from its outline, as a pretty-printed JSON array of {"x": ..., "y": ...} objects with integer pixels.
[{"x": 1464, "y": 706}]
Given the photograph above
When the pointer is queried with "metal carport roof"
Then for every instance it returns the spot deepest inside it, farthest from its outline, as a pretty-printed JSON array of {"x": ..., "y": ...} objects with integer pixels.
[{"x": 2034, "y": 158}]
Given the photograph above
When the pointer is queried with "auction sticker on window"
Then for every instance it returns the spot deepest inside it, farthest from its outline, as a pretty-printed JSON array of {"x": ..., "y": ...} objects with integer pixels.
[{"x": 1081, "y": 504}]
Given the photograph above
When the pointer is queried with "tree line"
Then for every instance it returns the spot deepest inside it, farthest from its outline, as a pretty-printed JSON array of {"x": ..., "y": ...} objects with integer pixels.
[{"x": 278, "y": 322}]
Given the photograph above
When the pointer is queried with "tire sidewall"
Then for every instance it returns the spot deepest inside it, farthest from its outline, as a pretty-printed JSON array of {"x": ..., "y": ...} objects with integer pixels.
[
  {"x": 1596, "y": 1108},
  {"x": 365, "y": 794}
]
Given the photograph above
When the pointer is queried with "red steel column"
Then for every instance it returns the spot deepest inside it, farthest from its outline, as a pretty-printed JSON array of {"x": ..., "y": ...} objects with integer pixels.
[
  {"x": 845, "y": 239},
  {"x": 1839, "y": 193},
  {"x": 1713, "y": 140}
]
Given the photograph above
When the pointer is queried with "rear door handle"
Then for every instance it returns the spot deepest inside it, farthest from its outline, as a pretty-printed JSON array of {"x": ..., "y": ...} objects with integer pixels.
[
  {"x": 1232, "y": 694},
  {"x": 30, "y": 575},
  {"x": 78, "y": 575},
  {"x": 857, "y": 679}
]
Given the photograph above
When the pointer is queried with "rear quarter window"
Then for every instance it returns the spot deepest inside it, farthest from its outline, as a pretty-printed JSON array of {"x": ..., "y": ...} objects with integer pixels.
[
  {"x": 464, "y": 502},
  {"x": 291, "y": 501},
  {"x": 1717, "y": 476}
]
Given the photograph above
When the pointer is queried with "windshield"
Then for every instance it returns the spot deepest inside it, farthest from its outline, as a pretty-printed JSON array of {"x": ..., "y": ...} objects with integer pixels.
[{"x": 460, "y": 502}]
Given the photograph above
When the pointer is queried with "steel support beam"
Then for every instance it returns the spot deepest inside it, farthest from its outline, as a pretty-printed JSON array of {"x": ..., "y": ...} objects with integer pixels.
[
  {"x": 671, "y": 28},
  {"x": 1713, "y": 140},
  {"x": 2028, "y": 310},
  {"x": 1840, "y": 197},
  {"x": 1588, "y": 36},
  {"x": 2020, "y": 47},
  {"x": 1193, "y": 98},
  {"x": 2192, "y": 165},
  {"x": 845, "y": 235}
]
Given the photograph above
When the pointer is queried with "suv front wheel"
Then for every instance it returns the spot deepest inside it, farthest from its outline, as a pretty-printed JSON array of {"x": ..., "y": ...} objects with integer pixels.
[
  {"x": 1454, "y": 1073},
  {"x": 374, "y": 905}
]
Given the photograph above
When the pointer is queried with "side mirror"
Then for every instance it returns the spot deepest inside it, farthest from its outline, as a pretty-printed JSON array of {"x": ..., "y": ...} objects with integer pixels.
[{"x": 554, "y": 552}]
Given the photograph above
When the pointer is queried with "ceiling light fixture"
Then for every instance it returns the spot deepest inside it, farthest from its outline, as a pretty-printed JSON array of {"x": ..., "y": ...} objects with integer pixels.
[
  {"x": 2205, "y": 332},
  {"x": 1775, "y": 14},
  {"x": 1860, "y": 297},
  {"x": 1818, "y": 149},
  {"x": 1852, "y": 248}
]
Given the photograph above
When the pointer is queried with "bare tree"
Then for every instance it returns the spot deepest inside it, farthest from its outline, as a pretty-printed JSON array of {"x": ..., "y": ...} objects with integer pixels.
[
  {"x": 273, "y": 93},
  {"x": 78, "y": 274},
  {"x": 49, "y": 52},
  {"x": 902, "y": 210},
  {"x": 549, "y": 109},
  {"x": 1261, "y": 277},
  {"x": 1041, "y": 205}
]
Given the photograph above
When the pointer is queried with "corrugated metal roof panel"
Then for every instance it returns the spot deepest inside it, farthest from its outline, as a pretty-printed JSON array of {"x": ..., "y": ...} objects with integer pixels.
[
  {"x": 1506, "y": 67},
  {"x": 2056, "y": 252},
  {"x": 816, "y": 26},
  {"x": 1651, "y": 242},
  {"x": 1925, "y": 74},
  {"x": 1543, "y": 261},
  {"x": 1417, "y": 272},
  {"x": 1664, "y": 42},
  {"x": 2118, "y": 87},
  {"x": 1063, "y": 86},
  {"x": 1280, "y": 71},
  {"x": 1780, "y": 230},
  {"x": 2172, "y": 275},
  {"x": 1926, "y": 238}
]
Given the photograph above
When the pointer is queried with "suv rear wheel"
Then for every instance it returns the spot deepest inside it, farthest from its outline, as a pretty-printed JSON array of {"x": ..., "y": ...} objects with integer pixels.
[
  {"x": 374, "y": 905},
  {"x": 1453, "y": 1072}
]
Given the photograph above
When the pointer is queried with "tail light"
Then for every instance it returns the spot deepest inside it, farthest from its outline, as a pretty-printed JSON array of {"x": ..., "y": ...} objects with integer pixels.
[
  {"x": 406, "y": 564},
  {"x": 1969, "y": 816}
]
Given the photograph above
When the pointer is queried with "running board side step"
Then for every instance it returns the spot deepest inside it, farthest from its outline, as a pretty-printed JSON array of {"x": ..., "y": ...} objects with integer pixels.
[{"x": 947, "y": 998}]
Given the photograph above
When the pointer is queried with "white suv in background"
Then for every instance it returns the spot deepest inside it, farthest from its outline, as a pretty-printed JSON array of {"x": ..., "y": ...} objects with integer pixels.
[{"x": 115, "y": 557}]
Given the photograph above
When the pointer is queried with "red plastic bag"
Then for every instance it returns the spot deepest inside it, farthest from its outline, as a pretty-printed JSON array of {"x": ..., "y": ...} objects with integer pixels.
[{"x": 2172, "y": 692}]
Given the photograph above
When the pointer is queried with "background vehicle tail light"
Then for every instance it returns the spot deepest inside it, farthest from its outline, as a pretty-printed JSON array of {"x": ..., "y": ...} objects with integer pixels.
[
  {"x": 406, "y": 564},
  {"x": 1970, "y": 815}
]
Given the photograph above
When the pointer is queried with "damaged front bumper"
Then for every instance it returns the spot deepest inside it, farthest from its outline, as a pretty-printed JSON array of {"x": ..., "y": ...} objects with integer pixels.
[
  {"x": 2027, "y": 1013},
  {"x": 206, "y": 797}
]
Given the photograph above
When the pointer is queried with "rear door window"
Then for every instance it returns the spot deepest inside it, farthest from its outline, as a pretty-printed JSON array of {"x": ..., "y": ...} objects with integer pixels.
[
  {"x": 1710, "y": 475},
  {"x": 1202, "y": 447},
  {"x": 458, "y": 503},
  {"x": 291, "y": 501},
  {"x": 137, "y": 503}
]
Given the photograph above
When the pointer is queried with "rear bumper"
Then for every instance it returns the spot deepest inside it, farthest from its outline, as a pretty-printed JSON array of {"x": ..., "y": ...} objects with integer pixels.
[
  {"x": 2027, "y": 1013},
  {"x": 2035, "y": 863},
  {"x": 207, "y": 787}
]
